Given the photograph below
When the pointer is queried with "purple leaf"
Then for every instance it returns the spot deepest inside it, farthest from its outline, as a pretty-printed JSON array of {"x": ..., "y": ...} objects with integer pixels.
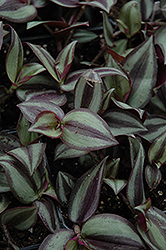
[
  {"x": 71, "y": 80},
  {"x": 69, "y": 3},
  {"x": 85, "y": 195},
  {"x": 153, "y": 176},
  {"x": 87, "y": 131},
  {"x": 104, "y": 5}
]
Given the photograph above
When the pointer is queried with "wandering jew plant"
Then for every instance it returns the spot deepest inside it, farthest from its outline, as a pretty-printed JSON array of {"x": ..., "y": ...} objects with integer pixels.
[{"x": 107, "y": 115}]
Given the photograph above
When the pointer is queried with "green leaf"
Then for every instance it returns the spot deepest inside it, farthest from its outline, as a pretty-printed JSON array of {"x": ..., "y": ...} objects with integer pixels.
[
  {"x": 112, "y": 168},
  {"x": 146, "y": 8},
  {"x": 142, "y": 67},
  {"x": 47, "y": 123},
  {"x": 89, "y": 91},
  {"x": 15, "y": 53},
  {"x": 160, "y": 37},
  {"x": 136, "y": 195},
  {"x": 57, "y": 240},
  {"x": 123, "y": 122},
  {"x": 129, "y": 19},
  {"x": 4, "y": 202},
  {"x": 48, "y": 214},
  {"x": 64, "y": 152},
  {"x": 4, "y": 186},
  {"x": 108, "y": 30},
  {"x": 85, "y": 195},
  {"x": 157, "y": 151},
  {"x": 21, "y": 218},
  {"x": 64, "y": 60},
  {"x": 16, "y": 11},
  {"x": 21, "y": 184},
  {"x": 30, "y": 156},
  {"x": 84, "y": 36},
  {"x": 25, "y": 137},
  {"x": 8, "y": 142},
  {"x": 104, "y": 5},
  {"x": 46, "y": 59},
  {"x": 116, "y": 184},
  {"x": 153, "y": 176},
  {"x": 87, "y": 131},
  {"x": 109, "y": 231}
]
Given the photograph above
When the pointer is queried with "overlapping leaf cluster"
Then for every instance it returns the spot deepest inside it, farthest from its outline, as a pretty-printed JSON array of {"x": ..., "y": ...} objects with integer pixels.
[{"x": 97, "y": 111}]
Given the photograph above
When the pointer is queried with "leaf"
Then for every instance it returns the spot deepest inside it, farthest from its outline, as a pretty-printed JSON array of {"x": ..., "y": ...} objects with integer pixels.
[
  {"x": 160, "y": 40},
  {"x": 88, "y": 92},
  {"x": 47, "y": 123},
  {"x": 85, "y": 195},
  {"x": 156, "y": 126},
  {"x": 64, "y": 60},
  {"x": 136, "y": 195},
  {"x": 21, "y": 184},
  {"x": 15, "y": 53},
  {"x": 116, "y": 184},
  {"x": 8, "y": 142},
  {"x": 134, "y": 143},
  {"x": 144, "y": 207},
  {"x": 4, "y": 186},
  {"x": 28, "y": 71},
  {"x": 106, "y": 5},
  {"x": 84, "y": 36},
  {"x": 157, "y": 151},
  {"x": 4, "y": 202},
  {"x": 123, "y": 122},
  {"x": 48, "y": 214},
  {"x": 16, "y": 11},
  {"x": 142, "y": 67},
  {"x": 108, "y": 29},
  {"x": 21, "y": 218},
  {"x": 1, "y": 34},
  {"x": 157, "y": 215},
  {"x": 71, "y": 80},
  {"x": 153, "y": 176},
  {"x": 25, "y": 137},
  {"x": 108, "y": 231},
  {"x": 46, "y": 59},
  {"x": 69, "y": 4},
  {"x": 57, "y": 240},
  {"x": 31, "y": 109},
  {"x": 106, "y": 100},
  {"x": 64, "y": 184},
  {"x": 64, "y": 152},
  {"x": 85, "y": 130},
  {"x": 146, "y": 8},
  {"x": 30, "y": 156},
  {"x": 112, "y": 168}
]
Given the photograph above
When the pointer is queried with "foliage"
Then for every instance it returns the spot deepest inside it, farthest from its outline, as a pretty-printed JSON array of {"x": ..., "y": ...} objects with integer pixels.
[{"x": 107, "y": 113}]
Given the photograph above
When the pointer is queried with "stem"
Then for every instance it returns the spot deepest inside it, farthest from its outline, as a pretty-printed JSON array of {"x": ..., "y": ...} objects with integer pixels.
[
  {"x": 127, "y": 203},
  {"x": 77, "y": 229},
  {"x": 99, "y": 54},
  {"x": 46, "y": 27}
]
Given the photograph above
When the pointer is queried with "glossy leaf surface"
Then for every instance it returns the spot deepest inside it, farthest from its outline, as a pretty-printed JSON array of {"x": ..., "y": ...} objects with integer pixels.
[
  {"x": 85, "y": 130},
  {"x": 21, "y": 218},
  {"x": 142, "y": 67},
  {"x": 108, "y": 231},
  {"x": 85, "y": 195}
]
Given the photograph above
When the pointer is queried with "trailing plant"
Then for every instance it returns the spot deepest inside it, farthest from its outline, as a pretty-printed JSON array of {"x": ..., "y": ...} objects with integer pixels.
[{"x": 108, "y": 114}]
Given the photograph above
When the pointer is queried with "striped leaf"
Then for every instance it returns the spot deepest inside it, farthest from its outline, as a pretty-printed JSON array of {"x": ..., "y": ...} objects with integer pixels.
[
  {"x": 146, "y": 8},
  {"x": 47, "y": 123},
  {"x": 48, "y": 214},
  {"x": 30, "y": 156},
  {"x": 17, "y": 11},
  {"x": 89, "y": 91},
  {"x": 85, "y": 195},
  {"x": 46, "y": 59},
  {"x": 123, "y": 122},
  {"x": 64, "y": 184},
  {"x": 57, "y": 240},
  {"x": 153, "y": 176},
  {"x": 141, "y": 64},
  {"x": 136, "y": 195},
  {"x": 15, "y": 54},
  {"x": 69, "y": 4},
  {"x": 21, "y": 218},
  {"x": 156, "y": 126},
  {"x": 157, "y": 151},
  {"x": 160, "y": 37},
  {"x": 71, "y": 80},
  {"x": 23, "y": 186},
  {"x": 104, "y": 5},
  {"x": 31, "y": 109},
  {"x": 87, "y": 131},
  {"x": 64, "y": 60},
  {"x": 1, "y": 34},
  {"x": 108, "y": 29},
  {"x": 64, "y": 152},
  {"x": 116, "y": 184},
  {"x": 110, "y": 231},
  {"x": 4, "y": 186}
]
